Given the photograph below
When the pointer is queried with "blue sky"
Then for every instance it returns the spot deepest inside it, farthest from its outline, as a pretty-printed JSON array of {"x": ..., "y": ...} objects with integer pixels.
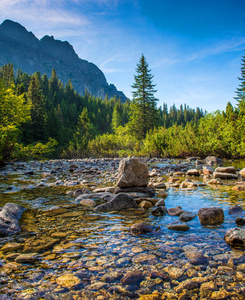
[{"x": 194, "y": 48}]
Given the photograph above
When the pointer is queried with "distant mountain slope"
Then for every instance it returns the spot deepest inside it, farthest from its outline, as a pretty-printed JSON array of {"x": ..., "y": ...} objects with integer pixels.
[{"x": 27, "y": 52}]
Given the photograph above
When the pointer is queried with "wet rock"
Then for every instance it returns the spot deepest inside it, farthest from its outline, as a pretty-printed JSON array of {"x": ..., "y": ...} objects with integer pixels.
[
  {"x": 9, "y": 219},
  {"x": 94, "y": 196},
  {"x": 159, "y": 211},
  {"x": 179, "y": 226},
  {"x": 231, "y": 170},
  {"x": 160, "y": 202},
  {"x": 211, "y": 160},
  {"x": 211, "y": 215},
  {"x": 239, "y": 187},
  {"x": 26, "y": 258},
  {"x": 187, "y": 284},
  {"x": 240, "y": 221},
  {"x": 187, "y": 216},
  {"x": 242, "y": 172},
  {"x": 132, "y": 172},
  {"x": 87, "y": 202},
  {"x": 235, "y": 237},
  {"x": 159, "y": 185},
  {"x": 216, "y": 181},
  {"x": 55, "y": 212},
  {"x": 38, "y": 244},
  {"x": 145, "y": 190},
  {"x": 120, "y": 202},
  {"x": 11, "y": 247},
  {"x": 207, "y": 170},
  {"x": 140, "y": 228},
  {"x": 174, "y": 272},
  {"x": 196, "y": 257},
  {"x": 224, "y": 175},
  {"x": 145, "y": 204},
  {"x": 133, "y": 277},
  {"x": 207, "y": 288},
  {"x": 162, "y": 194},
  {"x": 109, "y": 189},
  {"x": 79, "y": 192},
  {"x": 68, "y": 281},
  {"x": 175, "y": 211},
  {"x": 235, "y": 210},
  {"x": 221, "y": 294},
  {"x": 187, "y": 184},
  {"x": 143, "y": 257},
  {"x": 193, "y": 172},
  {"x": 59, "y": 235}
]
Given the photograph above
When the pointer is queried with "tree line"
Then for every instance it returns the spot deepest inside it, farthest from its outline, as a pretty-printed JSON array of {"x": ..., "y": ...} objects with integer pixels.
[{"x": 59, "y": 122}]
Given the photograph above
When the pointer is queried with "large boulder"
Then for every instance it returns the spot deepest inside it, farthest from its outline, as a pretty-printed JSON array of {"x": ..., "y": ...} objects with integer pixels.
[
  {"x": 211, "y": 215},
  {"x": 9, "y": 219},
  {"x": 235, "y": 237},
  {"x": 132, "y": 172},
  {"x": 119, "y": 202}
]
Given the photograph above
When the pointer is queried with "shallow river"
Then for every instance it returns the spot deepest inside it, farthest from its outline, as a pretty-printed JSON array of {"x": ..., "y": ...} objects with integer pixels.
[{"x": 97, "y": 250}]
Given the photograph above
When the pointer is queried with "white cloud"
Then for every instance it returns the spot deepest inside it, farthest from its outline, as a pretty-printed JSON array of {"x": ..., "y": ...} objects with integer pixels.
[{"x": 42, "y": 14}]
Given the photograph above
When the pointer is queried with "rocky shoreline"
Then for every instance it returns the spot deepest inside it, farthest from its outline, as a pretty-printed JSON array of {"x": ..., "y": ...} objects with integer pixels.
[{"x": 111, "y": 233}]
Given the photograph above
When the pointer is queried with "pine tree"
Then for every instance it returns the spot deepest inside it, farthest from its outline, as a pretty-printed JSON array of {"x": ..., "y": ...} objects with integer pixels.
[
  {"x": 241, "y": 89},
  {"x": 116, "y": 117},
  {"x": 38, "y": 115},
  {"x": 143, "y": 110}
]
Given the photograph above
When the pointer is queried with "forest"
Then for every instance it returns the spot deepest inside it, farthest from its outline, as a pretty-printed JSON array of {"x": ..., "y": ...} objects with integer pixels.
[{"x": 40, "y": 117}]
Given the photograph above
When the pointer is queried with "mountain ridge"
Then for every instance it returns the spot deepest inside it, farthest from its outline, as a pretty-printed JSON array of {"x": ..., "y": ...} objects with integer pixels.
[{"x": 28, "y": 53}]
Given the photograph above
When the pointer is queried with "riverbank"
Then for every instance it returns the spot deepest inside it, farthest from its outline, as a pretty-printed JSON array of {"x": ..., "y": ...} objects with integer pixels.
[{"x": 67, "y": 250}]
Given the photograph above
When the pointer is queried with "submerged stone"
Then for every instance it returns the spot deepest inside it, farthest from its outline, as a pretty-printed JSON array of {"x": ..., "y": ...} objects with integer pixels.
[
  {"x": 211, "y": 215},
  {"x": 119, "y": 202}
]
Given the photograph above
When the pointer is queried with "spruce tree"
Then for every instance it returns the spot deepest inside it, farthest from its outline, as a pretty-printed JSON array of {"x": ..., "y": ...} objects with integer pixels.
[
  {"x": 241, "y": 89},
  {"x": 143, "y": 110}
]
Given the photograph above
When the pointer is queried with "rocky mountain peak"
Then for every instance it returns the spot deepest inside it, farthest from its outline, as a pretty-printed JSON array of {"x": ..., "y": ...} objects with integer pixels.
[{"x": 28, "y": 53}]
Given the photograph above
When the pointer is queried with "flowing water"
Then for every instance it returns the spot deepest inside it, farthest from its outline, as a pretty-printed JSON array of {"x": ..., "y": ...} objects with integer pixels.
[{"x": 97, "y": 250}]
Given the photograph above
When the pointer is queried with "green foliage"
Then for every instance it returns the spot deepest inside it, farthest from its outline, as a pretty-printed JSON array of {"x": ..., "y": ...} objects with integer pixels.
[
  {"x": 13, "y": 112},
  {"x": 39, "y": 117},
  {"x": 36, "y": 150}
]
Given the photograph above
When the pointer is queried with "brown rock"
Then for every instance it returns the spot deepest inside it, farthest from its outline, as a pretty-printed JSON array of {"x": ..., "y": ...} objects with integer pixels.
[
  {"x": 68, "y": 281},
  {"x": 26, "y": 258},
  {"x": 239, "y": 187},
  {"x": 235, "y": 237},
  {"x": 37, "y": 244},
  {"x": 119, "y": 202},
  {"x": 11, "y": 247},
  {"x": 145, "y": 204},
  {"x": 159, "y": 211},
  {"x": 207, "y": 170},
  {"x": 193, "y": 172},
  {"x": 175, "y": 211},
  {"x": 140, "y": 228},
  {"x": 211, "y": 215},
  {"x": 242, "y": 172},
  {"x": 196, "y": 257},
  {"x": 132, "y": 172},
  {"x": 235, "y": 210},
  {"x": 132, "y": 277},
  {"x": 231, "y": 170},
  {"x": 179, "y": 226},
  {"x": 224, "y": 175}
]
